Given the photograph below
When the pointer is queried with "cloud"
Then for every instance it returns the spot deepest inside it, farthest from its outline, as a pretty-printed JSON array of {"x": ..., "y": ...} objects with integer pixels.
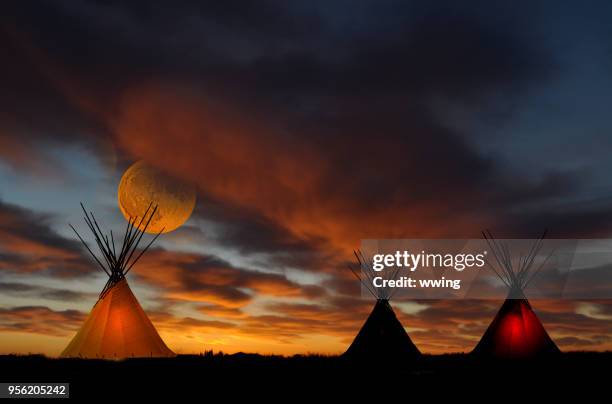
[
  {"x": 40, "y": 320},
  {"x": 28, "y": 244},
  {"x": 582, "y": 343},
  {"x": 192, "y": 323},
  {"x": 25, "y": 155},
  {"x": 306, "y": 129},
  {"x": 205, "y": 278},
  {"x": 217, "y": 311},
  {"x": 249, "y": 232},
  {"x": 28, "y": 290},
  {"x": 333, "y": 149}
]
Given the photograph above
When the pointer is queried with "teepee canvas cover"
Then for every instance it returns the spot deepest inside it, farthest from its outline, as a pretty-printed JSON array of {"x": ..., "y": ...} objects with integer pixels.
[
  {"x": 382, "y": 337},
  {"x": 516, "y": 332},
  {"x": 117, "y": 326}
]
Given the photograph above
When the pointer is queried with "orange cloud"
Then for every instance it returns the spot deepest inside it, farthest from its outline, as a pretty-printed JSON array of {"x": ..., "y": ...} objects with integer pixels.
[
  {"x": 367, "y": 163},
  {"x": 39, "y": 320},
  {"x": 294, "y": 180},
  {"x": 199, "y": 278},
  {"x": 28, "y": 244},
  {"x": 217, "y": 311}
]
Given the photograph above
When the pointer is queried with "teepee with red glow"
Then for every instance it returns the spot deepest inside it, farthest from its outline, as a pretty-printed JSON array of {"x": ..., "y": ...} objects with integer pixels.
[
  {"x": 117, "y": 327},
  {"x": 516, "y": 332}
]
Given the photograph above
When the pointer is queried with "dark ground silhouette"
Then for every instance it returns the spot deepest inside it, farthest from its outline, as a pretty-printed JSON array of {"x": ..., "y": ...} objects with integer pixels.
[{"x": 315, "y": 377}]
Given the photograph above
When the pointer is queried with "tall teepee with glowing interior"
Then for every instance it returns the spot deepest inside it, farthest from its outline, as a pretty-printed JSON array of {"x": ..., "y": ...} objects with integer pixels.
[
  {"x": 117, "y": 326},
  {"x": 382, "y": 337},
  {"x": 516, "y": 332}
]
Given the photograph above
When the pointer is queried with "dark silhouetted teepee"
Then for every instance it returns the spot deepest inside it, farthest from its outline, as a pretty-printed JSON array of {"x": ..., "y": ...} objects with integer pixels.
[
  {"x": 516, "y": 332},
  {"x": 382, "y": 337}
]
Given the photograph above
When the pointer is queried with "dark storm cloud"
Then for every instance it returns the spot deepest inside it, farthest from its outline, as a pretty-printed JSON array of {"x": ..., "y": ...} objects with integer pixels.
[
  {"x": 154, "y": 35},
  {"x": 366, "y": 112},
  {"x": 21, "y": 222},
  {"x": 351, "y": 89},
  {"x": 29, "y": 244},
  {"x": 249, "y": 232},
  {"x": 28, "y": 290},
  {"x": 63, "y": 53},
  {"x": 206, "y": 278},
  {"x": 276, "y": 51},
  {"x": 583, "y": 219},
  {"x": 31, "y": 102}
]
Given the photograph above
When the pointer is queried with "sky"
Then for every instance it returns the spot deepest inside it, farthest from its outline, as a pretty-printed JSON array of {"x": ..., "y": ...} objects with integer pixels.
[{"x": 305, "y": 128}]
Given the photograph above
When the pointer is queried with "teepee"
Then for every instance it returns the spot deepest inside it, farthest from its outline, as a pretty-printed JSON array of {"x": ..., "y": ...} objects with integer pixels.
[
  {"x": 516, "y": 332},
  {"x": 117, "y": 326},
  {"x": 382, "y": 337}
]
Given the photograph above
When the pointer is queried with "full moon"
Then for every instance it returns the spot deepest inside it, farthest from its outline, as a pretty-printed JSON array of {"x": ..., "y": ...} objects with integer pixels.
[{"x": 143, "y": 184}]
